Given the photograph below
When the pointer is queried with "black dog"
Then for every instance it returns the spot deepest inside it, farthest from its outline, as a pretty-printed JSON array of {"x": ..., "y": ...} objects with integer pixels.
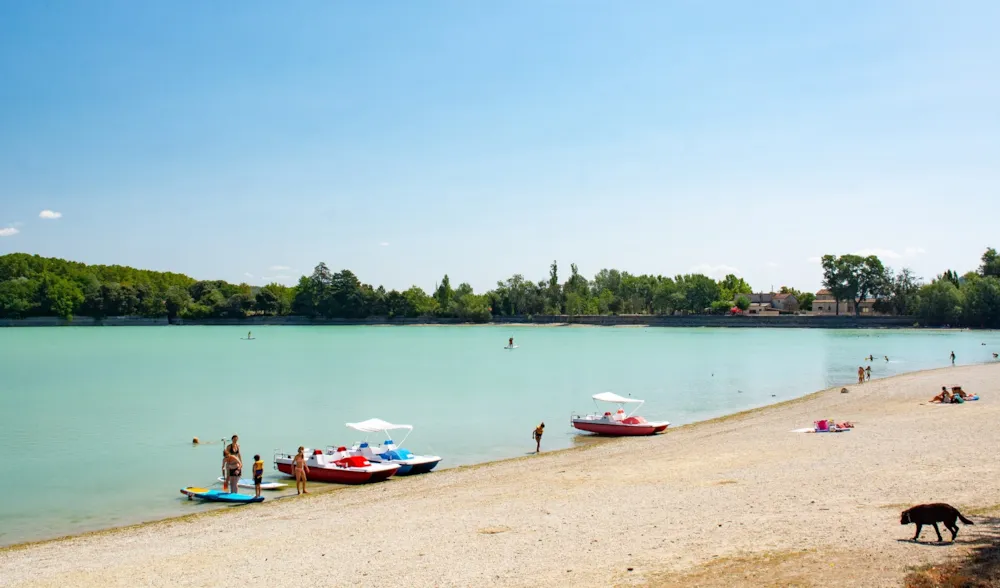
[{"x": 932, "y": 514}]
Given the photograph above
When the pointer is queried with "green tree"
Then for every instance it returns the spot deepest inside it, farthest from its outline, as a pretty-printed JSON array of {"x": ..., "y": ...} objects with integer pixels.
[
  {"x": 553, "y": 292},
  {"x": 743, "y": 303},
  {"x": 902, "y": 293},
  {"x": 444, "y": 294},
  {"x": 19, "y": 297},
  {"x": 991, "y": 264},
  {"x": 940, "y": 303},
  {"x": 176, "y": 301},
  {"x": 61, "y": 297},
  {"x": 731, "y": 286}
]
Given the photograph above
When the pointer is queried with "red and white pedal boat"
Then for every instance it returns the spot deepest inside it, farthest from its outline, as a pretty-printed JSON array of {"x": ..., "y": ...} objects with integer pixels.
[
  {"x": 618, "y": 424},
  {"x": 337, "y": 466}
]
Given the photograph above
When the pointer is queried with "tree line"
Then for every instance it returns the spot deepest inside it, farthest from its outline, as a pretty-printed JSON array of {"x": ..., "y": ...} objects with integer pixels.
[
  {"x": 31, "y": 285},
  {"x": 969, "y": 300}
]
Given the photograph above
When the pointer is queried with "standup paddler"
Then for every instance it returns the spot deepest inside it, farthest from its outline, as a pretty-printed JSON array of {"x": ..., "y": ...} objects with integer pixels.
[
  {"x": 538, "y": 437},
  {"x": 510, "y": 342}
]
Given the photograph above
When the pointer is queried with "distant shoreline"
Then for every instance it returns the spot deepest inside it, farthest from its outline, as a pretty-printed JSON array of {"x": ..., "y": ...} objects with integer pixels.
[{"x": 689, "y": 321}]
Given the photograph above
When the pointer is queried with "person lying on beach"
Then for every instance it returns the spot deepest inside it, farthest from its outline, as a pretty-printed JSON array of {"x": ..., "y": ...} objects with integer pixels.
[{"x": 944, "y": 397}]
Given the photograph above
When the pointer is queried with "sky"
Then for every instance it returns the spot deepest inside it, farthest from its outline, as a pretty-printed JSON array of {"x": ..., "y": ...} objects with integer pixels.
[{"x": 250, "y": 140}]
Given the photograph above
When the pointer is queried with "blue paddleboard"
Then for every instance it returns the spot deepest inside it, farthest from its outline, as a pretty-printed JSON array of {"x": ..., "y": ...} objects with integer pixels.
[{"x": 213, "y": 495}]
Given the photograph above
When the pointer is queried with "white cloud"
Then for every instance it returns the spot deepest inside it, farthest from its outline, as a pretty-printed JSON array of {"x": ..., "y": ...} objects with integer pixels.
[
  {"x": 384, "y": 243},
  {"x": 248, "y": 274},
  {"x": 714, "y": 271},
  {"x": 8, "y": 232},
  {"x": 49, "y": 214},
  {"x": 278, "y": 278},
  {"x": 279, "y": 268},
  {"x": 891, "y": 253},
  {"x": 772, "y": 264}
]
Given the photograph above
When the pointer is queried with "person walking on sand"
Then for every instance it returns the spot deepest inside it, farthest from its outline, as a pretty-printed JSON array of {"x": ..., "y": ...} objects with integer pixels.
[
  {"x": 301, "y": 469},
  {"x": 868, "y": 373},
  {"x": 537, "y": 435},
  {"x": 861, "y": 375},
  {"x": 952, "y": 358},
  {"x": 234, "y": 469}
]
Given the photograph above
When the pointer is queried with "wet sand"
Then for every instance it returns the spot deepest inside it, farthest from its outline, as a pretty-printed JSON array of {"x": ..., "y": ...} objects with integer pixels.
[{"x": 735, "y": 501}]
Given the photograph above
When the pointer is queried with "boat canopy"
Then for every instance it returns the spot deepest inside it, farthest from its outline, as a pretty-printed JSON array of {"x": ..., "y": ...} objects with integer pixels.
[
  {"x": 376, "y": 425},
  {"x": 612, "y": 397}
]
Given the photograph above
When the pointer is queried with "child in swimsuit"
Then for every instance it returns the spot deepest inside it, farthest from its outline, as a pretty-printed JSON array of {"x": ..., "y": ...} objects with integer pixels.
[{"x": 258, "y": 473}]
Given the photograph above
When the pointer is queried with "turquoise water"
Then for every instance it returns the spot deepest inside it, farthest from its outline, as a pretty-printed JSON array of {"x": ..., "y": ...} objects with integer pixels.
[{"x": 96, "y": 423}]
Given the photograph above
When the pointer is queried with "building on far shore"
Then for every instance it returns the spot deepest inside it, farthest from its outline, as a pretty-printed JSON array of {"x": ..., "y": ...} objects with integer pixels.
[
  {"x": 771, "y": 304},
  {"x": 825, "y": 303}
]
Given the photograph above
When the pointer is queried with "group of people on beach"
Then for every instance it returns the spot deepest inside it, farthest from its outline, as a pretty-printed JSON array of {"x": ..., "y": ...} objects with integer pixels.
[
  {"x": 956, "y": 396},
  {"x": 232, "y": 468}
]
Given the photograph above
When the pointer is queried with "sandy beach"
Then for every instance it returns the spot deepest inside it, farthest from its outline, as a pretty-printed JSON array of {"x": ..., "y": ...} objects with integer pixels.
[{"x": 735, "y": 501}]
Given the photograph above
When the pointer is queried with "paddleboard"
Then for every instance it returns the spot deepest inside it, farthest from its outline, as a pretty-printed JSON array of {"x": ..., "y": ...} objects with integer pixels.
[
  {"x": 508, "y": 347},
  {"x": 219, "y": 496},
  {"x": 245, "y": 339},
  {"x": 245, "y": 483}
]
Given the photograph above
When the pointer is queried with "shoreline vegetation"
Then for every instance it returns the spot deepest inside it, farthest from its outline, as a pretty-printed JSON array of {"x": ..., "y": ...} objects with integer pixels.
[
  {"x": 33, "y": 287},
  {"x": 747, "y": 498}
]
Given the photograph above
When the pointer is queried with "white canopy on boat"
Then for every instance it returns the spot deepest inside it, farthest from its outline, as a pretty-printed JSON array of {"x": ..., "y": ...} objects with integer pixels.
[
  {"x": 612, "y": 397},
  {"x": 376, "y": 425}
]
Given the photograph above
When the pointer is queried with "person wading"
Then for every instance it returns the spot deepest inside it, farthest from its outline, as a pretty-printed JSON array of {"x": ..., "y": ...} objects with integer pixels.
[{"x": 538, "y": 437}]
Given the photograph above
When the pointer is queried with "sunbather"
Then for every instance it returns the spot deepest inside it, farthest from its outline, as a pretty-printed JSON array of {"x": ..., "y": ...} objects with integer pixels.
[
  {"x": 944, "y": 397},
  {"x": 957, "y": 391}
]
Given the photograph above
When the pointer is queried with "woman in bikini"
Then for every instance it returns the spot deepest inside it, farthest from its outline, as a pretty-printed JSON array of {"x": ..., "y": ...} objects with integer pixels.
[
  {"x": 234, "y": 469},
  {"x": 300, "y": 469}
]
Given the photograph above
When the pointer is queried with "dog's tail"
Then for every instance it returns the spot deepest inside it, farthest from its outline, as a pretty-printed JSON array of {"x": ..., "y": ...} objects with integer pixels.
[{"x": 963, "y": 519}]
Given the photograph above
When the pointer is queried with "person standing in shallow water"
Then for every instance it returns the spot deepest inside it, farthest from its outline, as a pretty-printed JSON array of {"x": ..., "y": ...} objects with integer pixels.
[
  {"x": 538, "y": 437},
  {"x": 952, "y": 358},
  {"x": 868, "y": 373},
  {"x": 300, "y": 469},
  {"x": 861, "y": 375}
]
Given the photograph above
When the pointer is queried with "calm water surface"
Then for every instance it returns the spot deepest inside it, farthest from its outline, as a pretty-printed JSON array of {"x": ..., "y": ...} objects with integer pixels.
[{"x": 96, "y": 423}]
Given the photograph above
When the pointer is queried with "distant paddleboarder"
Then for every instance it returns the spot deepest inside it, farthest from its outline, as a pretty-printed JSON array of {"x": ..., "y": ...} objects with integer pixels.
[
  {"x": 248, "y": 335},
  {"x": 510, "y": 342}
]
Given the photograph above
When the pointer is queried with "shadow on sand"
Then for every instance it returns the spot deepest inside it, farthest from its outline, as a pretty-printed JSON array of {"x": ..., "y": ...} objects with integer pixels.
[{"x": 979, "y": 569}]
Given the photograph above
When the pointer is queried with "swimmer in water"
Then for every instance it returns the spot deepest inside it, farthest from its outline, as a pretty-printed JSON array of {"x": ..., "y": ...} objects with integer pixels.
[
  {"x": 887, "y": 358},
  {"x": 994, "y": 356}
]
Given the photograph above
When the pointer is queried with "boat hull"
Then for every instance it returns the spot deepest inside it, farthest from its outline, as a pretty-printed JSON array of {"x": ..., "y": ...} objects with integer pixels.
[
  {"x": 335, "y": 475},
  {"x": 619, "y": 430}
]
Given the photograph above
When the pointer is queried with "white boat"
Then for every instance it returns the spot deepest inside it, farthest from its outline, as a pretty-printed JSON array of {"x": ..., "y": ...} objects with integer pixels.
[
  {"x": 618, "y": 424},
  {"x": 389, "y": 452}
]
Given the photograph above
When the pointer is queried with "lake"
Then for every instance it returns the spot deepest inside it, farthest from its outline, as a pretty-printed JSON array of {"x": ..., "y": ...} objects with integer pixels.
[{"x": 96, "y": 423}]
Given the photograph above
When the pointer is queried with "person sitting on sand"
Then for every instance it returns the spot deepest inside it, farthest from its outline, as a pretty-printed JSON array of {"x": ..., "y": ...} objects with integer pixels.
[
  {"x": 944, "y": 397},
  {"x": 957, "y": 391}
]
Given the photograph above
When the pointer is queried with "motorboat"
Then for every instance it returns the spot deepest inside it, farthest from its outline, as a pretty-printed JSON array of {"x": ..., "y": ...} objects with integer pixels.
[
  {"x": 617, "y": 424},
  {"x": 389, "y": 452},
  {"x": 337, "y": 466}
]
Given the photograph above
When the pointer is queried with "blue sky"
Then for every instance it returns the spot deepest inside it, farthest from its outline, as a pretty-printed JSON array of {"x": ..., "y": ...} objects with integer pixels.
[{"x": 405, "y": 140}]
